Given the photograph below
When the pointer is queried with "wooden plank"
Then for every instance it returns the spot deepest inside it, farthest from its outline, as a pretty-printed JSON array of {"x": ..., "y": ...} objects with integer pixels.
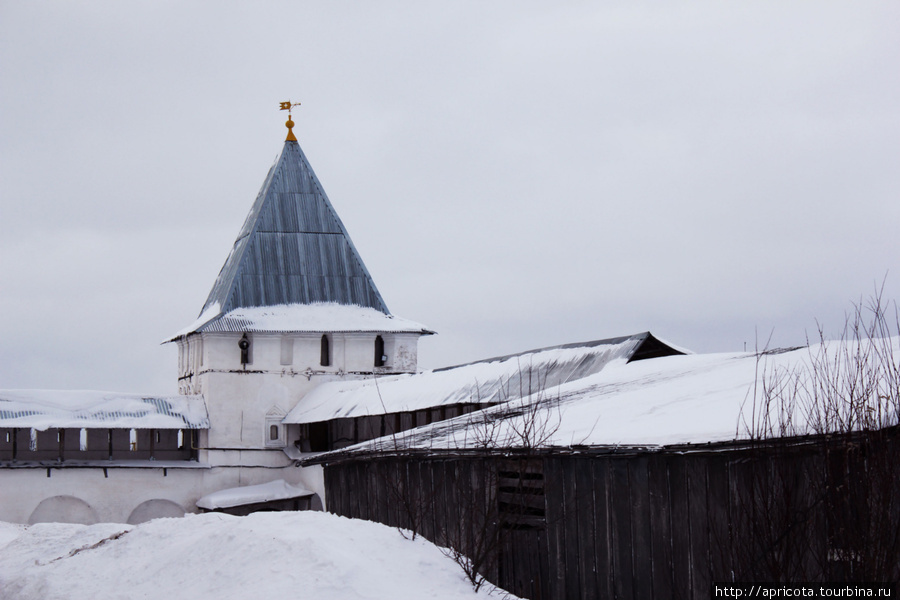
[
  {"x": 620, "y": 522},
  {"x": 340, "y": 489},
  {"x": 641, "y": 557},
  {"x": 407, "y": 421},
  {"x": 341, "y": 433},
  {"x": 556, "y": 528},
  {"x": 721, "y": 543},
  {"x": 602, "y": 527},
  {"x": 699, "y": 523},
  {"x": 331, "y": 490},
  {"x": 400, "y": 477},
  {"x": 586, "y": 550},
  {"x": 681, "y": 531},
  {"x": 443, "y": 532},
  {"x": 337, "y": 496},
  {"x": 571, "y": 516},
  {"x": 359, "y": 490},
  {"x": 543, "y": 589},
  {"x": 377, "y": 492},
  {"x": 660, "y": 526},
  {"x": 121, "y": 445},
  {"x": 368, "y": 428},
  {"x": 815, "y": 468},
  {"x": 424, "y": 506},
  {"x": 486, "y": 482}
]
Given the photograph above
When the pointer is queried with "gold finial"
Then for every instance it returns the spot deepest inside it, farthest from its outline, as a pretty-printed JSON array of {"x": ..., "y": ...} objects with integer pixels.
[{"x": 289, "y": 123}]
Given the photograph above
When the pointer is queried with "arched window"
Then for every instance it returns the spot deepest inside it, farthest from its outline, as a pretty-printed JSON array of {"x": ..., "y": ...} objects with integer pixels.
[
  {"x": 273, "y": 432},
  {"x": 325, "y": 359},
  {"x": 379, "y": 351}
]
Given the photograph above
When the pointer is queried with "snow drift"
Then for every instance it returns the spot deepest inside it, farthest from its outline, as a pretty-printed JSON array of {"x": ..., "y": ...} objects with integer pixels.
[{"x": 217, "y": 556}]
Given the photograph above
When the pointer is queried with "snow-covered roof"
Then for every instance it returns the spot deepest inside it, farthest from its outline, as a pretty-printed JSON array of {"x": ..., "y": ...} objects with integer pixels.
[
  {"x": 485, "y": 382},
  {"x": 689, "y": 399},
  {"x": 252, "y": 494},
  {"x": 45, "y": 409},
  {"x": 316, "y": 317}
]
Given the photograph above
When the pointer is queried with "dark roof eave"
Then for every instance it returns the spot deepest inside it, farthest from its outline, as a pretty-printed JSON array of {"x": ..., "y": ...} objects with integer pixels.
[{"x": 800, "y": 441}]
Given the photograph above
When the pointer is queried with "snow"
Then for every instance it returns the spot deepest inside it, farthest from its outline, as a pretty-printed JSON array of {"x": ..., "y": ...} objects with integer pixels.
[
  {"x": 489, "y": 381},
  {"x": 252, "y": 494},
  {"x": 690, "y": 399},
  {"x": 212, "y": 311},
  {"x": 43, "y": 409},
  {"x": 221, "y": 557},
  {"x": 316, "y": 317}
]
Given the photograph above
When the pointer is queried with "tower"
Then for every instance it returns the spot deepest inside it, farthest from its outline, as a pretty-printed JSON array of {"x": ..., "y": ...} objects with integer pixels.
[{"x": 293, "y": 306}]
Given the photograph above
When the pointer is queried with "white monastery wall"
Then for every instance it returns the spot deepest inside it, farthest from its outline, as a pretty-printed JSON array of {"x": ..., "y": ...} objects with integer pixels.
[{"x": 129, "y": 494}]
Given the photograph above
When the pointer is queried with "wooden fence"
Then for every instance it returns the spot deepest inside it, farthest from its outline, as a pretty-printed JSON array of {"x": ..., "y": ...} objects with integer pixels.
[{"x": 663, "y": 524}]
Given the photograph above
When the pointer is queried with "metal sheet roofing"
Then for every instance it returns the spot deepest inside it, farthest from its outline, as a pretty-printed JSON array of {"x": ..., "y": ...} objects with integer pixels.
[
  {"x": 293, "y": 248},
  {"x": 489, "y": 381},
  {"x": 45, "y": 409}
]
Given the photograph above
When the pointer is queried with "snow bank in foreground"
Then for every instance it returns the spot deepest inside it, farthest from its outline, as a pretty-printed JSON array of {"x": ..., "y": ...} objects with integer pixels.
[{"x": 217, "y": 556}]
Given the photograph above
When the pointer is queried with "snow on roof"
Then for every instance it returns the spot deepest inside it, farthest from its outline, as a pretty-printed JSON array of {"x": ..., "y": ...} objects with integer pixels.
[
  {"x": 44, "y": 409},
  {"x": 317, "y": 317},
  {"x": 489, "y": 381},
  {"x": 252, "y": 494},
  {"x": 264, "y": 555},
  {"x": 690, "y": 399}
]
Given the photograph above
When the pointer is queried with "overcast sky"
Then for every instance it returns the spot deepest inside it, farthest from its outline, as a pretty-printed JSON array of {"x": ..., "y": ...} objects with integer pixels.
[{"x": 514, "y": 174}]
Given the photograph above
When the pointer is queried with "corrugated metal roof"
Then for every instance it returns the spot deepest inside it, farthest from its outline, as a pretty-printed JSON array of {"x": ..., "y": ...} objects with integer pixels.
[
  {"x": 293, "y": 248},
  {"x": 45, "y": 409},
  {"x": 494, "y": 380}
]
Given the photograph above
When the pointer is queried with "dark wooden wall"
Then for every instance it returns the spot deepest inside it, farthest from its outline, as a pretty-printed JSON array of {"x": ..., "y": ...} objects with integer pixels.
[
  {"x": 60, "y": 445},
  {"x": 646, "y": 525},
  {"x": 340, "y": 433}
]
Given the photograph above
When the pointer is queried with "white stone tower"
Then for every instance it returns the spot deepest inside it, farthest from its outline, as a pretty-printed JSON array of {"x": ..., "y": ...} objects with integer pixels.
[{"x": 293, "y": 306}]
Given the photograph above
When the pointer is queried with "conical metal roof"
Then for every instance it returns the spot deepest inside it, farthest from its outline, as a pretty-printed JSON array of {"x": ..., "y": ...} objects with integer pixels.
[{"x": 293, "y": 248}]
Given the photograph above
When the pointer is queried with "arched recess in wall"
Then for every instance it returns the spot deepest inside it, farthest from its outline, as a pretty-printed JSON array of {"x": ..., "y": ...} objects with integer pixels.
[
  {"x": 63, "y": 509},
  {"x": 154, "y": 509}
]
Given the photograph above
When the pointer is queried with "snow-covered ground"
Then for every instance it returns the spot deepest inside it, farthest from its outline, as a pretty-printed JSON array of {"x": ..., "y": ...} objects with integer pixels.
[{"x": 216, "y": 556}]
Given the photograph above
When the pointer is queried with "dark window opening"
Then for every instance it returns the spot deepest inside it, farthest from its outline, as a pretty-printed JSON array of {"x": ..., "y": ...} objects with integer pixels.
[
  {"x": 273, "y": 432},
  {"x": 379, "y": 351},
  {"x": 244, "y": 345},
  {"x": 521, "y": 495},
  {"x": 325, "y": 359},
  {"x": 318, "y": 437}
]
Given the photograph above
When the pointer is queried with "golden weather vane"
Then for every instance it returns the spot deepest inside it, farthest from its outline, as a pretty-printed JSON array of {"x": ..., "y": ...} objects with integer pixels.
[{"x": 289, "y": 123}]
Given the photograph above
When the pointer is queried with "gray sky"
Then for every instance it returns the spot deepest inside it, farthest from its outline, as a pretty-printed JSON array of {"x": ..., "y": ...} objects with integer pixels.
[{"x": 514, "y": 174}]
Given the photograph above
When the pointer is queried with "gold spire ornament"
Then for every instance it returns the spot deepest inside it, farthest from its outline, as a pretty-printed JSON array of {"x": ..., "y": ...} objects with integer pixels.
[{"x": 289, "y": 123}]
